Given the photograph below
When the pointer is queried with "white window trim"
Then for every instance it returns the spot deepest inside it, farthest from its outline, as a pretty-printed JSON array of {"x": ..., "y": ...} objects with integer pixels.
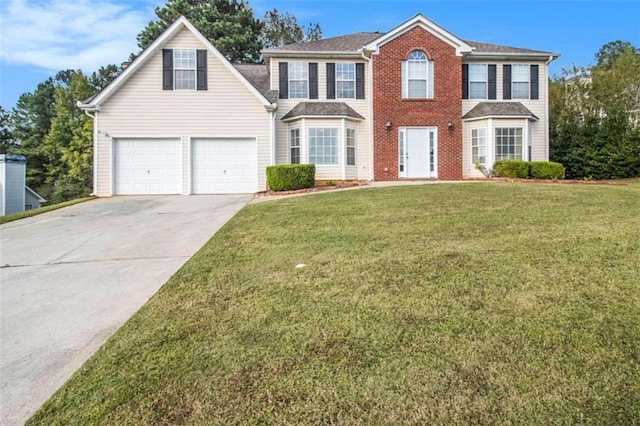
[
  {"x": 338, "y": 145},
  {"x": 429, "y": 92},
  {"x": 528, "y": 81},
  {"x": 522, "y": 144},
  {"x": 306, "y": 67},
  {"x": 194, "y": 69},
  {"x": 485, "y": 81},
  {"x": 299, "y": 144},
  {"x": 355, "y": 147},
  {"x": 484, "y": 146},
  {"x": 341, "y": 80}
]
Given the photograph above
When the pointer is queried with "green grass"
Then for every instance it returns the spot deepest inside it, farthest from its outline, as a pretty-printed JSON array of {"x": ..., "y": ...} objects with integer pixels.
[
  {"x": 437, "y": 304},
  {"x": 34, "y": 212}
]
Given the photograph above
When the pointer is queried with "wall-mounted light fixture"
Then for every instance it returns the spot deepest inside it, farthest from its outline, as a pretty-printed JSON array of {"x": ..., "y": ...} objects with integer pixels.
[
  {"x": 387, "y": 125},
  {"x": 450, "y": 125}
]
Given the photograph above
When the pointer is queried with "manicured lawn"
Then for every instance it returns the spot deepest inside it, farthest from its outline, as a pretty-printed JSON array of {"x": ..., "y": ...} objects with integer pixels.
[
  {"x": 438, "y": 304},
  {"x": 35, "y": 212}
]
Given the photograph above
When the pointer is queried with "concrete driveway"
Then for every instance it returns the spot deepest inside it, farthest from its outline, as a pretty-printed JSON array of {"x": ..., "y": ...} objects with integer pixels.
[{"x": 71, "y": 277}]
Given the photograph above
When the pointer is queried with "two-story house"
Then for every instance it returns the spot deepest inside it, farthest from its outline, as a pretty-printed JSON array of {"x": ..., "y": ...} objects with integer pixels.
[{"x": 414, "y": 103}]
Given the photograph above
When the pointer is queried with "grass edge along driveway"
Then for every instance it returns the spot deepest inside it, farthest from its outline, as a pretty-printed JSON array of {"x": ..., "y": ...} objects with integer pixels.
[{"x": 465, "y": 303}]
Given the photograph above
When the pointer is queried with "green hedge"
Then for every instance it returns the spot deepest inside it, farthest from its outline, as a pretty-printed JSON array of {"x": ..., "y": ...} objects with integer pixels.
[
  {"x": 520, "y": 169},
  {"x": 285, "y": 177},
  {"x": 511, "y": 169},
  {"x": 546, "y": 170}
]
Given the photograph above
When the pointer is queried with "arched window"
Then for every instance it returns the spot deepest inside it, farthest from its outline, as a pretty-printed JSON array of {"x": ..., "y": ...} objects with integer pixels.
[{"x": 417, "y": 76}]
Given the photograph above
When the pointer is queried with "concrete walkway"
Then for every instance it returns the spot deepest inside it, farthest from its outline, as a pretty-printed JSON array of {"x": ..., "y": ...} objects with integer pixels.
[{"x": 71, "y": 277}]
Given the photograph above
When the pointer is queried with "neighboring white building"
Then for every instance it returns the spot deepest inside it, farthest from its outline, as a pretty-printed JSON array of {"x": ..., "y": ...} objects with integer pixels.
[{"x": 16, "y": 195}]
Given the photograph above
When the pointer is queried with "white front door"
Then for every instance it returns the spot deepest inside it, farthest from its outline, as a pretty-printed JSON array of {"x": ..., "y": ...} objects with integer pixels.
[
  {"x": 418, "y": 152},
  {"x": 224, "y": 166},
  {"x": 147, "y": 166}
]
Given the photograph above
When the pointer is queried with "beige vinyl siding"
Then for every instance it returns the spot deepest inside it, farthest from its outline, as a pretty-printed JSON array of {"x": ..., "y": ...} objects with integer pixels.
[
  {"x": 539, "y": 107},
  {"x": 140, "y": 108},
  {"x": 361, "y": 170}
]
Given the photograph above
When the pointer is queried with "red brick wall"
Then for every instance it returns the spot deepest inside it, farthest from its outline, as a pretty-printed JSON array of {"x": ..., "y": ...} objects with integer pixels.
[{"x": 445, "y": 106}]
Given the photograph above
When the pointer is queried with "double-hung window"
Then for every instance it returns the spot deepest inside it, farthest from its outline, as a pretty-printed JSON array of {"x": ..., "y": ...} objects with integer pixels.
[
  {"x": 478, "y": 77},
  {"x": 345, "y": 80},
  {"x": 478, "y": 146},
  {"x": 298, "y": 80},
  {"x": 351, "y": 147},
  {"x": 323, "y": 146},
  {"x": 294, "y": 146},
  {"x": 417, "y": 76},
  {"x": 509, "y": 143},
  {"x": 184, "y": 68},
  {"x": 520, "y": 81}
]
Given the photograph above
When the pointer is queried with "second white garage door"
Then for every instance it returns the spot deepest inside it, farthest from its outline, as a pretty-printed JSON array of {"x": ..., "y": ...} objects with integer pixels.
[{"x": 224, "y": 166}]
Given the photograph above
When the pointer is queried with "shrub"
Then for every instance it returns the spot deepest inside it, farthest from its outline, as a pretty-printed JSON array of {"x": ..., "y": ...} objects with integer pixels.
[
  {"x": 511, "y": 169},
  {"x": 285, "y": 177},
  {"x": 546, "y": 170}
]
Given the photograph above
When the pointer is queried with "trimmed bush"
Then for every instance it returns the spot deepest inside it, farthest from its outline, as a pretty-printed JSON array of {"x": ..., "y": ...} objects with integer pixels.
[
  {"x": 511, "y": 169},
  {"x": 546, "y": 170},
  {"x": 286, "y": 177}
]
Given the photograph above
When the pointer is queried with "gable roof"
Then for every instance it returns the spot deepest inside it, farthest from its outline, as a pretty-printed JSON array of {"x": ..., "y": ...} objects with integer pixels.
[
  {"x": 349, "y": 43},
  {"x": 179, "y": 24},
  {"x": 258, "y": 76},
  {"x": 322, "y": 109},
  {"x": 35, "y": 194},
  {"x": 420, "y": 21},
  {"x": 499, "y": 109},
  {"x": 488, "y": 49}
]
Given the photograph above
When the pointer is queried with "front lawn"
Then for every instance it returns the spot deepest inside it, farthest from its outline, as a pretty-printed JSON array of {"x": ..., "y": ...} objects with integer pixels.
[{"x": 462, "y": 303}]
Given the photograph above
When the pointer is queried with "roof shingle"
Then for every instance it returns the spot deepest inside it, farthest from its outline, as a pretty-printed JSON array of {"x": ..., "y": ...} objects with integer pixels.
[
  {"x": 496, "y": 109},
  {"x": 320, "y": 109},
  {"x": 258, "y": 76},
  {"x": 346, "y": 43}
]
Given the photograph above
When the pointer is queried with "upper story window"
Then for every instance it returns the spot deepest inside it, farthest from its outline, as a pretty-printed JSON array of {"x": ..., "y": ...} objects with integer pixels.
[
  {"x": 520, "y": 74},
  {"x": 478, "y": 77},
  {"x": 417, "y": 76},
  {"x": 345, "y": 80},
  {"x": 298, "y": 80},
  {"x": 184, "y": 68}
]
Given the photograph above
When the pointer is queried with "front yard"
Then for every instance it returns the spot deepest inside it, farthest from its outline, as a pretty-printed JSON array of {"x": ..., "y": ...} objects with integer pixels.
[{"x": 463, "y": 303}]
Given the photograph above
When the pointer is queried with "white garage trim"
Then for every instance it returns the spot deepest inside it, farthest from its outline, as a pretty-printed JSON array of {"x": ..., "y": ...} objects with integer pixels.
[
  {"x": 147, "y": 166},
  {"x": 224, "y": 165}
]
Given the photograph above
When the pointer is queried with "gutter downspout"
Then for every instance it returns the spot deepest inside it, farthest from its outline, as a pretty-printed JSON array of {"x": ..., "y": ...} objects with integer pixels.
[
  {"x": 95, "y": 149},
  {"x": 370, "y": 98}
]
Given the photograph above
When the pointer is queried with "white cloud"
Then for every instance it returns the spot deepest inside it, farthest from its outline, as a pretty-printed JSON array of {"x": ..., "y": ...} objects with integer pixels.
[{"x": 62, "y": 34}]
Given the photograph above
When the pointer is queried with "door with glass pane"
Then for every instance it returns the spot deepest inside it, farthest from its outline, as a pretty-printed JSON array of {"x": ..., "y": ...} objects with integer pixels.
[{"x": 417, "y": 149}]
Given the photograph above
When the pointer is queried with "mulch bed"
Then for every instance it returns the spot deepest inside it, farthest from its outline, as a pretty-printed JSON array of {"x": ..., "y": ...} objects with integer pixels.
[{"x": 321, "y": 188}]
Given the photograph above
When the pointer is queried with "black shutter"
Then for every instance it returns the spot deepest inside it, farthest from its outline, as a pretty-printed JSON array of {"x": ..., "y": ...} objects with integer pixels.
[
  {"x": 331, "y": 80},
  {"x": 534, "y": 81},
  {"x": 167, "y": 69},
  {"x": 201, "y": 69},
  {"x": 506, "y": 82},
  {"x": 465, "y": 81},
  {"x": 360, "y": 81},
  {"x": 284, "y": 80},
  {"x": 491, "y": 74},
  {"x": 313, "y": 80}
]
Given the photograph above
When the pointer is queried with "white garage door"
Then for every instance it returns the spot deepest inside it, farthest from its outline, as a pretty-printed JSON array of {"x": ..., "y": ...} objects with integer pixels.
[
  {"x": 224, "y": 166},
  {"x": 147, "y": 166}
]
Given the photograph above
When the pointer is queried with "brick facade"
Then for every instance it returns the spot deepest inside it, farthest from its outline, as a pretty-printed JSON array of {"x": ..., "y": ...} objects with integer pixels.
[{"x": 445, "y": 107}]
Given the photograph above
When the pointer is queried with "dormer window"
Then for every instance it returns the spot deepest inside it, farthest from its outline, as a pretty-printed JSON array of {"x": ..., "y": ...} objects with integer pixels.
[{"x": 417, "y": 76}]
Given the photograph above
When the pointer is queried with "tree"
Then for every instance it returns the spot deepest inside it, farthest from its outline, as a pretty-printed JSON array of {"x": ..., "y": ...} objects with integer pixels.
[
  {"x": 280, "y": 29},
  {"x": 6, "y": 139},
  {"x": 609, "y": 52},
  {"x": 105, "y": 75},
  {"x": 68, "y": 145},
  {"x": 30, "y": 122},
  {"x": 595, "y": 115},
  {"x": 230, "y": 25}
]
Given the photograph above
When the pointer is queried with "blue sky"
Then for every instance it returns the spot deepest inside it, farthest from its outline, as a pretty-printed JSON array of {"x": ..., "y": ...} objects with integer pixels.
[{"x": 40, "y": 37}]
